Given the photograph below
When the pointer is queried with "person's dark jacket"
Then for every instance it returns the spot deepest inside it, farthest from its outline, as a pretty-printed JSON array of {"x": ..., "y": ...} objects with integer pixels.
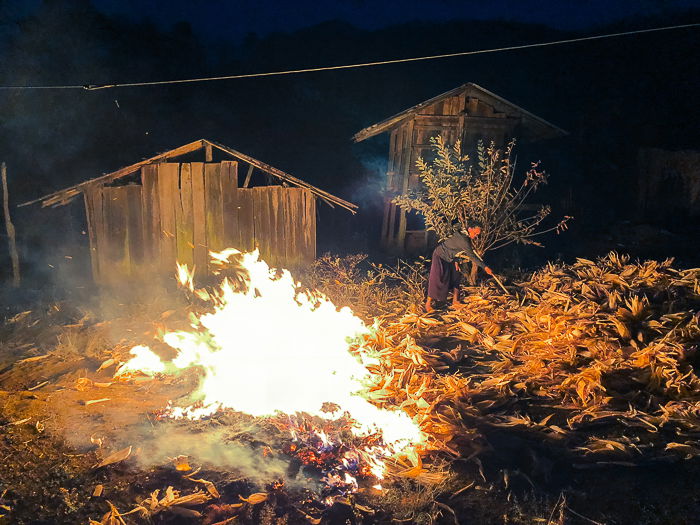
[{"x": 448, "y": 249}]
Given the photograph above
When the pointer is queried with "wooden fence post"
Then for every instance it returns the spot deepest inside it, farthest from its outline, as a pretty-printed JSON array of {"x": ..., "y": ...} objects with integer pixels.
[{"x": 10, "y": 228}]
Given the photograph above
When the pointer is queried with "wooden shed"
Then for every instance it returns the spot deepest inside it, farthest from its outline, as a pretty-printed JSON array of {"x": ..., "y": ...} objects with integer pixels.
[
  {"x": 469, "y": 113},
  {"x": 181, "y": 204}
]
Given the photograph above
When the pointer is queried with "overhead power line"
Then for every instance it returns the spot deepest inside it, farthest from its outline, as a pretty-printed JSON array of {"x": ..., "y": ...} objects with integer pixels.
[{"x": 93, "y": 87}]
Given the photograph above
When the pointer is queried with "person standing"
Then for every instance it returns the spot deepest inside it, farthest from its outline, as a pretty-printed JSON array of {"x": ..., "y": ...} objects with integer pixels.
[{"x": 445, "y": 274}]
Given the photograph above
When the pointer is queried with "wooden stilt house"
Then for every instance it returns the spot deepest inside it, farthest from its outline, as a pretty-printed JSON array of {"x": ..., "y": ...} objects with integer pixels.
[
  {"x": 468, "y": 113},
  {"x": 179, "y": 205}
]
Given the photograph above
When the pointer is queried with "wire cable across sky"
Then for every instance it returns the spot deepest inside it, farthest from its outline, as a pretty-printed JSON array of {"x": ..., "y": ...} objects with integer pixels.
[{"x": 94, "y": 87}]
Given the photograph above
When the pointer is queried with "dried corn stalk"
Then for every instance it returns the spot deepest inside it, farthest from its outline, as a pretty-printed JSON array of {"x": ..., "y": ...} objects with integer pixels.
[{"x": 605, "y": 342}]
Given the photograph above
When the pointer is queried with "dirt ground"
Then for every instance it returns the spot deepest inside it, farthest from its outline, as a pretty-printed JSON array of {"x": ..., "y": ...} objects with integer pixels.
[{"x": 77, "y": 445}]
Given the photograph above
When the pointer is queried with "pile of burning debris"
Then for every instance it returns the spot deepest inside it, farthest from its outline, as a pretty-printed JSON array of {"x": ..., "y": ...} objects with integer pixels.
[{"x": 595, "y": 359}]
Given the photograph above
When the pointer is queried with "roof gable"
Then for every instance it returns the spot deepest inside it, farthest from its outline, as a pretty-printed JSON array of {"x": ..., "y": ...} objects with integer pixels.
[
  {"x": 537, "y": 126},
  {"x": 64, "y": 196}
]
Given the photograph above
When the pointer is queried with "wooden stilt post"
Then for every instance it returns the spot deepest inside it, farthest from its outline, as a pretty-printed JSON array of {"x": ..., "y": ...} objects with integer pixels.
[{"x": 10, "y": 228}]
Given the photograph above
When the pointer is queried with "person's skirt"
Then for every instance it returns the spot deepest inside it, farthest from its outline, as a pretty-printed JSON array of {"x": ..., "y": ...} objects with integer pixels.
[{"x": 443, "y": 278}]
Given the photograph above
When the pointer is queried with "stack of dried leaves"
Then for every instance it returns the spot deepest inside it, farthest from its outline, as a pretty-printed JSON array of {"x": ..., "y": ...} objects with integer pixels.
[{"x": 609, "y": 344}]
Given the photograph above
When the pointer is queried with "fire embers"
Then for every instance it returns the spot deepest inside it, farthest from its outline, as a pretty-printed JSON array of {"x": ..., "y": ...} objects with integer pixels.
[{"x": 344, "y": 460}]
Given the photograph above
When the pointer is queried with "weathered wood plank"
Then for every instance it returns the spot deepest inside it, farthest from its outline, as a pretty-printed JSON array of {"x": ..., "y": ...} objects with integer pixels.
[
  {"x": 310, "y": 227},
  {"x": 273, "y": 234},
  {"x": 184, "y": 218},
  {"x": 93, "y": 212},
  {"x": 229, "y": 170},
  {"x": 168, "y": 175},
  {"x": 199, "y": 218},
  {"x": 385, "y": 220},
  {"x": 454, "y": 105},
  {"x": 461, "y": 106},
  {"x": 229, "y": 188},
  {"x": 304, "y": 228},
  {"x": 102, "y": 232},
  {"x": 312, "y": 204},
  {"x": 279, "y": 203},
  {"x": 270, "y": 236},
  {"x": 461, "y": 103},
  {"x": 214, "y": 207},
  {"x": 287, "y": 219},
  {"x": 150, "y": 203},
  {"x": 246, "y": 213},
  {"x": 407, "y": 151},
  {"x": 262, "y": 221},
  {"x": 391, "y": 229},
  {"x": 118, "y": 257},
  {"x": 293, "y": 225},
  {"x": 247, "y": 176},
  {"x": 391, "y": 166},
  {"x": 287, "y": 226},
  {"x": 134, "y": 229},
  {"x": 115, "y": 228},
  {"x": 272, "y": 239}
]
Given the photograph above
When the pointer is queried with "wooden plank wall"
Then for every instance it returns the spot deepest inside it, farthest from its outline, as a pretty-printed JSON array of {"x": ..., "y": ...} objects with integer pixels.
[
  {"x": 116, "y": 235},
  {"x": 181, "y": 211},
  {"x": 280, "y": 222}
]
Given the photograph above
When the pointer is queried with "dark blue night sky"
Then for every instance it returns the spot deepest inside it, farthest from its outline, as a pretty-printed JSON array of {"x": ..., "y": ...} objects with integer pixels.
[
  {"x": 232, "y": 20},
  {"x": 239, "y": 17}
]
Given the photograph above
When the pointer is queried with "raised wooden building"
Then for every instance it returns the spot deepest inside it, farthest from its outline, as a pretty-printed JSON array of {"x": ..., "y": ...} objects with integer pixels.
[
  {"x": 468, "y": 113},
  {"x": 179, "y": 205}
]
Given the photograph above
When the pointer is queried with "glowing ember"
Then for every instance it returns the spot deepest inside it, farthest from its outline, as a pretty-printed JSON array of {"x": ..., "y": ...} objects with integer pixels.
[{"x": 268, "y": 347}]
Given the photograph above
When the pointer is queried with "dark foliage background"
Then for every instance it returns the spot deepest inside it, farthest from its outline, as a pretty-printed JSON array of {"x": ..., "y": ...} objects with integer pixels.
[{"x": 613, "y": 96}]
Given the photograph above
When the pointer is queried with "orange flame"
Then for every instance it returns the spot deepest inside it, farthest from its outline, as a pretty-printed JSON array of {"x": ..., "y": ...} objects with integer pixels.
[{"x": 268, "y": 347}]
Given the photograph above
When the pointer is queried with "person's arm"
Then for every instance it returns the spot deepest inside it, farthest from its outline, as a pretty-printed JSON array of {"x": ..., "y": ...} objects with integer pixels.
[{"x": 468, "y": 252}]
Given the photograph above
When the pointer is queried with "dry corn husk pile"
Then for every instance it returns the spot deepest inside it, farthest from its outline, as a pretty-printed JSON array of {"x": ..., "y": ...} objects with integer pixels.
[{"x": 598, "y": 356}]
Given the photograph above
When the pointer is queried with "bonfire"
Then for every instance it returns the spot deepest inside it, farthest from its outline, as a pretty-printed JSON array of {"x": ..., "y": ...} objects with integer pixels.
[{"x": 268, "y": 348}]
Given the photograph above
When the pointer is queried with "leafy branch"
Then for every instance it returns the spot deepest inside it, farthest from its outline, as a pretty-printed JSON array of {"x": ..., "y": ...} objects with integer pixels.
[{"x": 454, "y": 193}]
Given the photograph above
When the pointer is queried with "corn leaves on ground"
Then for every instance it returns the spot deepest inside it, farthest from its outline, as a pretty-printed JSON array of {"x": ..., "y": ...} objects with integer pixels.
[{"x": 600, "y": 357}]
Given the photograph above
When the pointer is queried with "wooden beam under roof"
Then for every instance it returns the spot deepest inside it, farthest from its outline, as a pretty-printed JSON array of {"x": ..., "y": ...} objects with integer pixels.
[
  {"x": 327, "y": 197},
  {"x": 64, "y": 196},
  {"x": 61, "y": 197},
  {"x": 471, "y": 89}
]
